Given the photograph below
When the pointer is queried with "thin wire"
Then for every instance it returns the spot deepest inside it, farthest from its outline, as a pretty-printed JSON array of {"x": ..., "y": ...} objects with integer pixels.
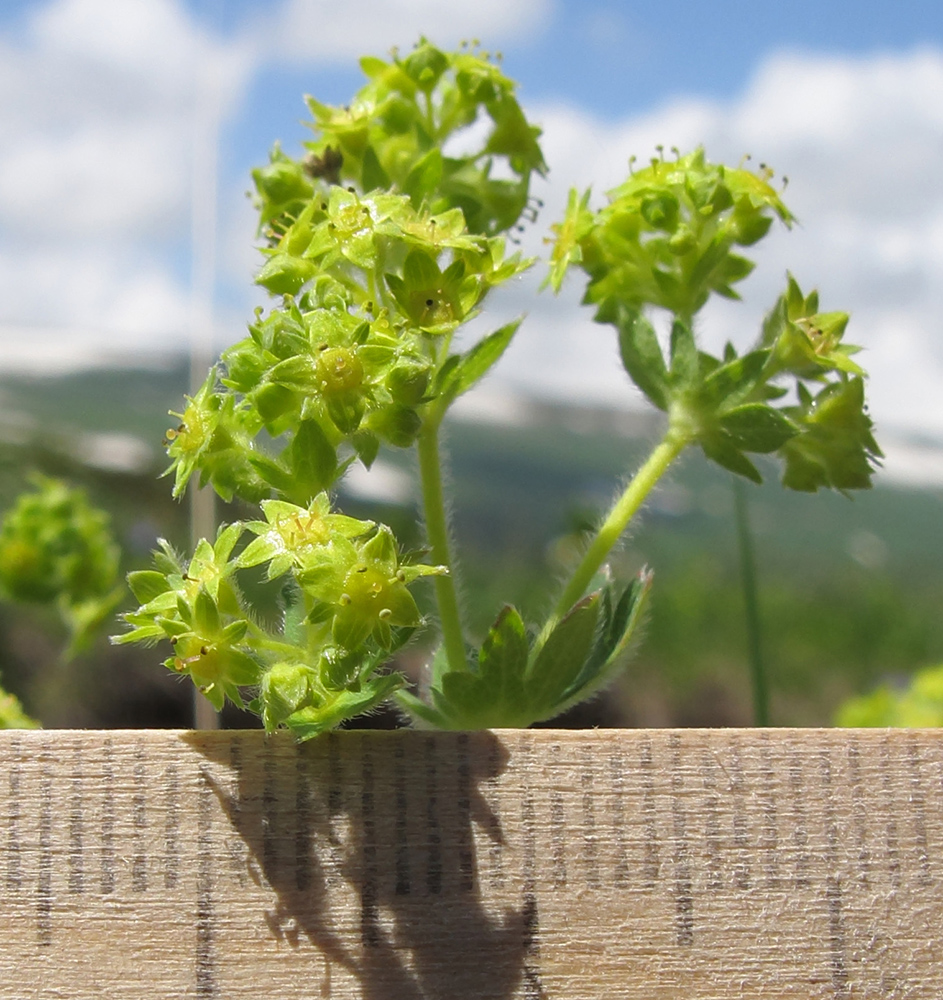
[
  {"x": 751, "y": 606},
  {"x": 203, "y": 284}
]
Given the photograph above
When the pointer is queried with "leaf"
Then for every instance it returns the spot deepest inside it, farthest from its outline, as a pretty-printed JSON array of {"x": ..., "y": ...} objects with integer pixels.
[
  {"x": 424, "y": 177},
  {"x": 313, "y": 460},
  {"x": 147, "y": 584},
  {"x": 560, "y": 661},
  {"x": 503, "y": 660},
  {"x": 470, "y": 701},
  {"x": 373, "y": 175},
  {"x": 685, "y": 365},
  {"x": 475, "y": 363},
  {"x": 642, "y": 357},
  {"x": 719, "y": 448},
  {"x": 312, "y": 721},
  {"x": 448, "y": 374},
  {"x": 757, "y": 427},
  {"x": 420, "y": 711},
  {"x": 736, "y": 378},
  {"x": 619, "y": 628}
]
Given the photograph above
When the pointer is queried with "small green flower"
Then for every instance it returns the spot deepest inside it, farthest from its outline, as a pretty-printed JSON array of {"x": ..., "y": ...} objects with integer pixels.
[
  {"x": 804, "y": 341},
  {"x": 391, "y": 137},
  {"x": 198, "y": 609},
  {"x": 291, "y": 535},
  {"x": 214, "y": 437},
  {"x": 835, "y": 447},
  {"x": 210, "y": 649},
  {"x": 365, "y": 587},
  {"x": 576, "y": 225},
  {"x": 434, "y": 301}
]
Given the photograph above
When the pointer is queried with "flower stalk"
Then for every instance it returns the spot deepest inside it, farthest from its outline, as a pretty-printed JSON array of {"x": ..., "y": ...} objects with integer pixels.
[{"x": 437, "y": 533}]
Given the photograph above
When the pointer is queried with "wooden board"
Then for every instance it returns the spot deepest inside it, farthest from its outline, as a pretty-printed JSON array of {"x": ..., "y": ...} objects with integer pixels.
[{"x": 697, "y": 864}]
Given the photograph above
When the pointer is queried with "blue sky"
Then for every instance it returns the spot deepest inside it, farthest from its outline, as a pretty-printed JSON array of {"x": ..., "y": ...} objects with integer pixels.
[{"x": 96, "y": 116}]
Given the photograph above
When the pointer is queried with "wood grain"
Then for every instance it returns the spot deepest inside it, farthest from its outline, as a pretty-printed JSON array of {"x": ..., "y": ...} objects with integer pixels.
[{"x": 696, "y": 864}]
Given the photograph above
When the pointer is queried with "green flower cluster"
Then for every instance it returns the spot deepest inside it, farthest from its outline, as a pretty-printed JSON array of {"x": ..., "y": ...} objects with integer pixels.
[
  {"x": 380, "y": 246},
  {"x": 394, "y": 136},
  {"x": 55, "y": 548},
  {"x": 666, "y": 237},
  {"x": 347, "y": 606},
  {"x": 356, "y": 356},
  {"x": 667, "y": 240}
]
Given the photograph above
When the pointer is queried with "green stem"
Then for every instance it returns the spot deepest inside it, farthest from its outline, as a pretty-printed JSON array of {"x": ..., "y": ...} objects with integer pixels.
[
  {"x": 624, "y": 509},
  {"x": 751, "y": 606},
  {"x": 437, "y": 533}
]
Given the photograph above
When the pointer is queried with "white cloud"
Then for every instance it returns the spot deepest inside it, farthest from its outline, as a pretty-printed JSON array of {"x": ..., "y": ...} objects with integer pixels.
[
  {"x": 97, "y": 124},
  {"x": 331, "y": 32},
  {"x": 100, "y": 103},
  {"x": 860, "y": 139},
  {"x": 98, "y": 106}
]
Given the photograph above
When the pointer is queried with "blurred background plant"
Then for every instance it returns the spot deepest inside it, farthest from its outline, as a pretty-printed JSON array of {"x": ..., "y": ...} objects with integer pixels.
[
  {"x": 918, "y": 703},
  {"x": 57, "y": 552}
]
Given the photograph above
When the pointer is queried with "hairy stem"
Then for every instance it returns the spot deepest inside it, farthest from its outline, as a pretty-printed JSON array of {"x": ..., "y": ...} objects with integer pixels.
[
  {"x": 609, "y": 532},
  {"x": 437, "y": 533}
]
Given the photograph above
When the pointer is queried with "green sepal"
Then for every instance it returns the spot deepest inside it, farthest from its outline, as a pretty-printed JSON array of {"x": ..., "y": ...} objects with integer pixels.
[
  {"x": 205, "y": 614},
  {"x": 284, "y": 274},
  {"x": 313, "y": 462},
  {"x": 373, "y": 176},
  {"x": 367, "y": 446},
  {"x": 424, "y": 177},
  {"x": 273, "y": 472},
  {"x": 399, "y": 425},
  {"x": 346, "y": 411}
]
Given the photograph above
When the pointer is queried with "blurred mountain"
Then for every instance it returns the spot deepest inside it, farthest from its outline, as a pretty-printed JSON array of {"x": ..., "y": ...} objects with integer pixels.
[{"x": 850, "y": 587}]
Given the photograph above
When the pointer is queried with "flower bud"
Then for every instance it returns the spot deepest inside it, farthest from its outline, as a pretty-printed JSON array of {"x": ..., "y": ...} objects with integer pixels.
[{"x": 408, "y": 382}]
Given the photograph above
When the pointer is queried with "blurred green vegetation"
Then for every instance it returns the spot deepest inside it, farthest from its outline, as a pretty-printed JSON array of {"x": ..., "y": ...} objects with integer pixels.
[
  {"x": 850, "y": 590},
  {"x": 919, "y": 704}
]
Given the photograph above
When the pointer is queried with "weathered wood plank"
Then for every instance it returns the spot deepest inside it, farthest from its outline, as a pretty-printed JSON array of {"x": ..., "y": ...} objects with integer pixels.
[{"x": 704, "y": 864}]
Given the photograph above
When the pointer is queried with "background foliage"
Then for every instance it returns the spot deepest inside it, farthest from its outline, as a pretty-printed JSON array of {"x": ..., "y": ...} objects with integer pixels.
[{"x": 850, "y": 590}]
